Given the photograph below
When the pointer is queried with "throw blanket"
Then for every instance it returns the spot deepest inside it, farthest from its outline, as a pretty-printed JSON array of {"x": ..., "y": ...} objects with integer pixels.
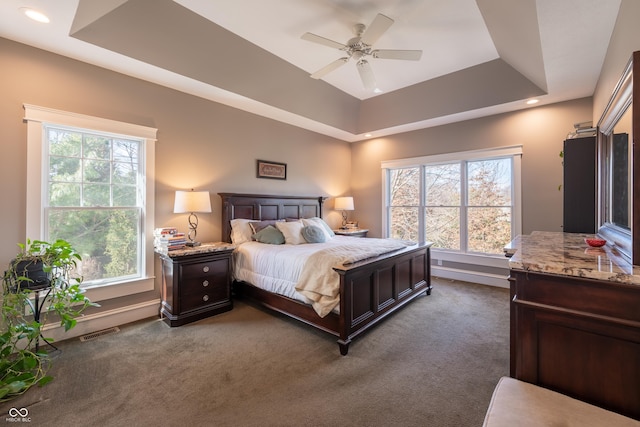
[{"x": 321, "y": 283}]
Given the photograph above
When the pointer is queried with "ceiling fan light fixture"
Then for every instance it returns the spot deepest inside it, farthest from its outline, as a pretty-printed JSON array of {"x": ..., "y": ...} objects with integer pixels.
[{"x": 359, "y": 47}]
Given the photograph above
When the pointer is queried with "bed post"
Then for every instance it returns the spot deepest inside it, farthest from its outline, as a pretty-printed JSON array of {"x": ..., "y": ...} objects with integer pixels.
[
  {"x": 344, "y": 324},
  {"x": 320, "y": 202}
]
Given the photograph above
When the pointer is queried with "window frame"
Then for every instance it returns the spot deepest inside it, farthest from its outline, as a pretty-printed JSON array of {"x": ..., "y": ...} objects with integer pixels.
[
  {"x": 37, "y": 118},
  {"x": 515, "y": 152}
]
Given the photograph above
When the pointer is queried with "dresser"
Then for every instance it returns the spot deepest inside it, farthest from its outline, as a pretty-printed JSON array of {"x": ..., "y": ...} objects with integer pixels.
[
  {"x": 575, "y": 320},
  {"x": 196, "y": 282}
]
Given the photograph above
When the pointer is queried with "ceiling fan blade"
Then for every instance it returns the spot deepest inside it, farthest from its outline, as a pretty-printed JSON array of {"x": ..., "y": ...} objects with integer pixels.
[
  {"x": 322, "y": 40},
  {"x": 366, "y": 75},
  {"x": 409, "y": 55},
  {"x": 329, "y": 68},
  {"x": 377, "y": 28}
]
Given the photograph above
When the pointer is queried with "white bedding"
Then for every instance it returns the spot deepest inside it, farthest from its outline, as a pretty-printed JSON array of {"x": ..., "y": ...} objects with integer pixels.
[{"x": 278, "y": 268}]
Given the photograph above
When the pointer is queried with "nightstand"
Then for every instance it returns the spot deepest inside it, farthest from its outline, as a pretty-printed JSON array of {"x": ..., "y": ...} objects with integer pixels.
[
  {"x": 196, "y": 282},
  {"x": 353, "y": 232}
]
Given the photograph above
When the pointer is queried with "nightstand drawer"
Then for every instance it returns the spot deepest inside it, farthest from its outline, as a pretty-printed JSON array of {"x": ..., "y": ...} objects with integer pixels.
[
  {"x": 202, "y": 269},
  {"x": 201, "y": 284},
  {"x": 214, "y": 295}
]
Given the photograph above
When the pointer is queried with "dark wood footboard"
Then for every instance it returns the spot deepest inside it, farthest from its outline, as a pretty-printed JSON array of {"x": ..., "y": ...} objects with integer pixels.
[{"x": 369, "y": 291}]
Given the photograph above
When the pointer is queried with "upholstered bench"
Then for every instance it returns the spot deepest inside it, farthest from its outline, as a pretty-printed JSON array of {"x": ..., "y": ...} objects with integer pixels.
[{"x": 517, "y": 403}]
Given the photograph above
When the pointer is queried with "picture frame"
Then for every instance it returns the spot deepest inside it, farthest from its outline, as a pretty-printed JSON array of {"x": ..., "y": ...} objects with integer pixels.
[{"x": 271, "y": 170}]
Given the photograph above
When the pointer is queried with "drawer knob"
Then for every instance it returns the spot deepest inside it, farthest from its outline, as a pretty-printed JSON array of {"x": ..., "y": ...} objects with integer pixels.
[
  {"x": 205, "y": 268},
  {"x": 205, "y": 298},
  {"x": 205, "y": 283}
]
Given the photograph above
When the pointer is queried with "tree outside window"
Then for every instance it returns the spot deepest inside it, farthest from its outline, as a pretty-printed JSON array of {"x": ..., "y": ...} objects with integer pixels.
[
  {"x": 464, "y": 206},
  {"x": 404, "y": 207},
  {"x": 94, "y": 200}
]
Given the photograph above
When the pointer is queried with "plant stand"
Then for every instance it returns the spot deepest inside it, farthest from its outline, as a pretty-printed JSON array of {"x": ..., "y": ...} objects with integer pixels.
[{"x": 36, "y": 307}]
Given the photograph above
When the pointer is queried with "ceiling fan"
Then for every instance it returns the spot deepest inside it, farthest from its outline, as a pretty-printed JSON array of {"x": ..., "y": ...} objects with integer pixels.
[{"x": 359, "y": 47}]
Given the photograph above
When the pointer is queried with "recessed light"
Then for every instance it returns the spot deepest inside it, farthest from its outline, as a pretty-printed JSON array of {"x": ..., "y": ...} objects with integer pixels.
[
  {"x": 377, "y": 90},
  {"x": 368, "y": 135},
  {"x": 35, "y": 15},
  {"x": 532, "y": 101}
]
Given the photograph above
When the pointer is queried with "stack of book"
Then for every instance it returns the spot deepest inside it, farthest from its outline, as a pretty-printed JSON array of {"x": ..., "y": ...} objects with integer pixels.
[{"x": 168, "y": 239}]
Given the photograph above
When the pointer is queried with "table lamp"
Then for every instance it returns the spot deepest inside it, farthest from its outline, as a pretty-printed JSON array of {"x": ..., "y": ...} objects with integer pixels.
[
  {"x": 344, "y": 204},
  {"x": 192, "y": 202}
]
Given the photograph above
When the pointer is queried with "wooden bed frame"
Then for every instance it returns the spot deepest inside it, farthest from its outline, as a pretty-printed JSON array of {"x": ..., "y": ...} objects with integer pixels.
[{"x": 370, "y": 290}]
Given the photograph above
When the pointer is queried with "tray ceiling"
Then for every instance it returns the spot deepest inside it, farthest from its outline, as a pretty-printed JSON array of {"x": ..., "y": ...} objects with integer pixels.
[{"x": 480, "y": 57}]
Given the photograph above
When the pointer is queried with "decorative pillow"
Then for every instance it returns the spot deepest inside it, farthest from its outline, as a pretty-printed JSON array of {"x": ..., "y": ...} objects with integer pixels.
[
  {"x": 292, "y": 232},
  {"x": 269, "y": 235},
  {"x": 240, "y": 230},
  {"x": 319, "y": 222},
  {"x": 313, "y": 234},
  {"x": 259, "y": 225}
]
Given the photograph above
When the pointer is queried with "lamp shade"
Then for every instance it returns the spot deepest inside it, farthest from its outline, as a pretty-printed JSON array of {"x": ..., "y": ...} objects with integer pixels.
[
  {"x": 343, "y": 203},
  {"x": 192, "y": 201}
]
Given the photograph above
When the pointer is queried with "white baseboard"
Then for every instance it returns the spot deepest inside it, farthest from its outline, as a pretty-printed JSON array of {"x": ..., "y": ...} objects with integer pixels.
[
  {"x": 103, "y": 320},
  {"x": 470, "y": 276}
]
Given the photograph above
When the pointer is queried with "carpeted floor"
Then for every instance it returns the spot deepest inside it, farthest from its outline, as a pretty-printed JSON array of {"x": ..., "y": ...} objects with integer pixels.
[{"x": 435, "y": 363}]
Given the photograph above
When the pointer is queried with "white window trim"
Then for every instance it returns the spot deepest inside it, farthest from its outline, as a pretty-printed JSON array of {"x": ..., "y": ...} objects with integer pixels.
[
  {"x": 35, "y": 117},
  {"x": 516, "y": 225}
]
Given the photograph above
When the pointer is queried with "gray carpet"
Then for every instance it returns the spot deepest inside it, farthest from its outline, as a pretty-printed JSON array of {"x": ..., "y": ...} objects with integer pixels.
[{"x": 435, "y": 363}]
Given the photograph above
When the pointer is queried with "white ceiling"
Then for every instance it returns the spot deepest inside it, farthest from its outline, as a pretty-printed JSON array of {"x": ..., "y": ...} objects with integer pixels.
[
  {"x": 559, "y": 45},
  {"x": 433, "y": 26}
]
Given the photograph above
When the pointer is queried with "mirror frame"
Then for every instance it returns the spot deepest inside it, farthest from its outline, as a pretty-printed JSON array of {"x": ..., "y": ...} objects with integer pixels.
[{"x": 625, "y": 94}]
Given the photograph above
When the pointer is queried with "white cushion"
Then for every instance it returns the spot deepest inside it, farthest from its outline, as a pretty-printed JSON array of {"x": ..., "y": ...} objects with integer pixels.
[
  {"x": 241, "y": 230},
  {"x": 517, "y": 403},
  {"x": 292, "y": 231}
]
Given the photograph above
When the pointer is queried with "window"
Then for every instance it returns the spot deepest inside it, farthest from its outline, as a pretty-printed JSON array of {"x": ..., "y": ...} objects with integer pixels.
[
  {"x": 92, "y": 200},
  {"x": 463, "y": 202},
  {"x": 404, "y": 206},
  {"x": 90, "y": 181}
]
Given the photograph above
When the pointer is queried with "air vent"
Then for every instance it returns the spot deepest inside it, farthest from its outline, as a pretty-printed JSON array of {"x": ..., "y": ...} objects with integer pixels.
[{"x": 94, "y": 335}]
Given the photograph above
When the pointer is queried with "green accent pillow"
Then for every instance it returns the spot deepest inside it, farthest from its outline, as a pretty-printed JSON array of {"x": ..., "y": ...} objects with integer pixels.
[
  {"x": 269, "y": 235},
  {"x": 313, "y": 234},
  {"x": 319, "y": 222}
]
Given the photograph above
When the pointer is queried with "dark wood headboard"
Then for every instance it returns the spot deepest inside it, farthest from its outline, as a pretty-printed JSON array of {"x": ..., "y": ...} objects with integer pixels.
[{"x": 264, "y": 207}]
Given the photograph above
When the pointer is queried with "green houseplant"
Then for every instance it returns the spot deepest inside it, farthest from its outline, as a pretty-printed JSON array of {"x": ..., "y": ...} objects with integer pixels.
[{"x": 39, "y": 267}]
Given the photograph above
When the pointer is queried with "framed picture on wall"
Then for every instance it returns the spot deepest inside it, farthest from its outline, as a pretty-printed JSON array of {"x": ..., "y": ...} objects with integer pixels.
[{"x": 271, "y": 170}]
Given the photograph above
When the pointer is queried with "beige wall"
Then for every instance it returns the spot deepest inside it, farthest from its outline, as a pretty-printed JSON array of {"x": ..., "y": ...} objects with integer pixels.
[
  {"x": 541, "y": 132},
  {"x": 201, "y": 144}
]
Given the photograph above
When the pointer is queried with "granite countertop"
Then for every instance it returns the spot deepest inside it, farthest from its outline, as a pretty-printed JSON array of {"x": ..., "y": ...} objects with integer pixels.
[
  {"x": 567, "y": 254},
  {"x": 202, "y": 249},
  {"x": 350, "y": 230}
]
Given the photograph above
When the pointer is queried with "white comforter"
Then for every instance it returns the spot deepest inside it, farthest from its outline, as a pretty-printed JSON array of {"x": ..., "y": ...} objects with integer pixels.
[{"x": 304, "y": 272}]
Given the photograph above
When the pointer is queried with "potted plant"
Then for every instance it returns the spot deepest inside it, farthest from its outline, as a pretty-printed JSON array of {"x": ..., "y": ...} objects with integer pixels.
[{"x": 39, "y": 267}]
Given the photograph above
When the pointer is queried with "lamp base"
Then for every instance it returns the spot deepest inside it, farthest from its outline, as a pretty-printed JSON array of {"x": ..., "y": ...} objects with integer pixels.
[{"x": 192, "y": 244}]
